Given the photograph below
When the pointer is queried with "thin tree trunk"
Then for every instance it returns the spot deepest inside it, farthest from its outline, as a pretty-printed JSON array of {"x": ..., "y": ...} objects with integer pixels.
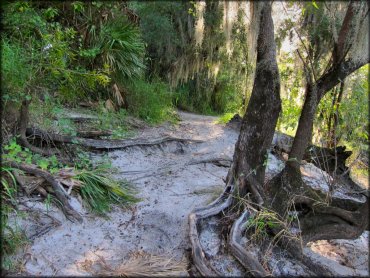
[
  {"x": 305, "y": 126},
  {"x": 314, "y": 93}
]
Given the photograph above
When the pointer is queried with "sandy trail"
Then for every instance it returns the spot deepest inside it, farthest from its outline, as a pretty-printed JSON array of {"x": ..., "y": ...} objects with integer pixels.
[{"x": 169, "y": 189}]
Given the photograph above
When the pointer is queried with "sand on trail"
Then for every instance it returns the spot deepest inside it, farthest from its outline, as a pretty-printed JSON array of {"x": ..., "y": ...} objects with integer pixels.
[{"x": 170, "y": 187}]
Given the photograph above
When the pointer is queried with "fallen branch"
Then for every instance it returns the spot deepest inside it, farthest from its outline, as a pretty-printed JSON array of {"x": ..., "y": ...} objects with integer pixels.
[
  {"x": 59, "y": 191},
  {"x": 107, "y": 144}
]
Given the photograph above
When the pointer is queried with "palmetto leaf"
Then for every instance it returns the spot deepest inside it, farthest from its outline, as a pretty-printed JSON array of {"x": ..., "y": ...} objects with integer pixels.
[{"x": 121, "y": 47}]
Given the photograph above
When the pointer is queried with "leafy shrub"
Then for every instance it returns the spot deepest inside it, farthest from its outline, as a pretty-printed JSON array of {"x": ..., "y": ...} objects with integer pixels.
[
  {"x": 151, "y": 102},
  {"x": 15, "y": 70}
]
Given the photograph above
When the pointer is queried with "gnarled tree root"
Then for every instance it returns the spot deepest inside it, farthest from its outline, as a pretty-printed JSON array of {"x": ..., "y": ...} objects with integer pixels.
[
  {"x": 106, "y": 144},
  {"x": 239, "y": 252},
  {"x": 60, "y": 193},
  {"x": 221, "y": 203}
]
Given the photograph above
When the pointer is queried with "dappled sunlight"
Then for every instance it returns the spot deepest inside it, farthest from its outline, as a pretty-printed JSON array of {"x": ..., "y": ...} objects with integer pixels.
[{"x": 348, "y": 253}]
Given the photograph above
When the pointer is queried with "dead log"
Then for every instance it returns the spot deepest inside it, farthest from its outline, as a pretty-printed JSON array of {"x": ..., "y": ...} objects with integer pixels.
[
  {"x": 59, "y": 191},
  {"x": 106, "y": 144},
  {"x": 28, "y": 183}
]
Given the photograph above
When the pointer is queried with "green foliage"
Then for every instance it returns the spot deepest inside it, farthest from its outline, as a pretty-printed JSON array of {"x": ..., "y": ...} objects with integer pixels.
[
  {"x": 43, "y": 48},
  {"x": 151, "y": 102},
  {"x": 353, "y": 111},
  {"x": 225, "y": 118},
  {"x": 114, "y": 121},
  {"x": 164, "y": 30},
  {"x": 12, "y": 237},
  {"x": 120, "y": 47},
  {"x": 14, "y": 152},
  {"x": 291, "y": 77},
  {"x": 100, "y": 191},
  {"x": 15, "y": 70}
]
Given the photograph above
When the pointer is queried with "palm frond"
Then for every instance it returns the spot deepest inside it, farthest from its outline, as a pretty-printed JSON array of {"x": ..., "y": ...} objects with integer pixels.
[{"x": 101, "y": 191}]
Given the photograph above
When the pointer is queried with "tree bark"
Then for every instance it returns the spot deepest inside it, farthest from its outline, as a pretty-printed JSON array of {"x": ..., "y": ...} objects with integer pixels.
[
  {"x": 22, "y": 126},
  {"x": 259, "y": 121}
]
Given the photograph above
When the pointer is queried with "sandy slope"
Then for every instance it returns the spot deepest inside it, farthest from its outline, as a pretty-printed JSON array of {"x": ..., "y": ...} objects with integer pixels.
[{"x": 158, "y": 224}]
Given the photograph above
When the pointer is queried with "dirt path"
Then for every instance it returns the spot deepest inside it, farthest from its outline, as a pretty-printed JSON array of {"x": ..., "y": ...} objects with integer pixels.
[{"x": 170, "y": 186}]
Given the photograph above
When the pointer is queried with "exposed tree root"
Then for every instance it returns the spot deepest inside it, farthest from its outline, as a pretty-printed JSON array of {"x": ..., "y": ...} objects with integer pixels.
[
  {"x": 218, "y": 161},
  {"x": 245, "y": 258},
  {"x": 220, "y": 204},
  {"x": 93, "y": 133},
  {"x": 106, "y": 144},
  {"x": 58, "y": 189},
  {"x": 342, "y": 218}
]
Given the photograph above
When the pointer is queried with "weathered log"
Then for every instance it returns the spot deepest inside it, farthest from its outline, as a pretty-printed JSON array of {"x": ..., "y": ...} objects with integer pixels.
[
  {"x": 60, "y": 193},
  {"x": 106, "y": 144},
  {"x": 319, "y": 217},
  {"x": 29, "y": 184}
]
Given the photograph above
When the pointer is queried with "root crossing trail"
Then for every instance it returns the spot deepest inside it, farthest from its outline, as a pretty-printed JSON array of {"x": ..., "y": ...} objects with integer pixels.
[{"x": 171, "y": 179}]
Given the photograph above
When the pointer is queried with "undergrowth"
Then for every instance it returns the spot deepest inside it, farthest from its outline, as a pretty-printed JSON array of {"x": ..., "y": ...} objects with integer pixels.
[
  {"x": 12, "y": 236},
  {"x": 225, "y": 118},
  {"x": 95, "y": 184},
  {"x": 150, "y": 101}
]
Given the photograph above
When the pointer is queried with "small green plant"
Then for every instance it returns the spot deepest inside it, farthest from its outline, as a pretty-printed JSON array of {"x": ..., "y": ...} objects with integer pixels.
[
  {"x": 261, "y": 222},
  {"x": 48, "y": 201},
  {"x": 14, "y": 152}
]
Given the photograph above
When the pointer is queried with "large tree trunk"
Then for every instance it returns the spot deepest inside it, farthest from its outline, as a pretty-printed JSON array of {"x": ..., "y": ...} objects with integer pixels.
[
  {"x": 315, "y": 214},
  {"x": 259, "y": 121}
]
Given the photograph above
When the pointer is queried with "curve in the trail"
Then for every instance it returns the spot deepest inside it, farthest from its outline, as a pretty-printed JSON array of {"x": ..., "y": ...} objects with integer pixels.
[{"x": 170, "y": 186}]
